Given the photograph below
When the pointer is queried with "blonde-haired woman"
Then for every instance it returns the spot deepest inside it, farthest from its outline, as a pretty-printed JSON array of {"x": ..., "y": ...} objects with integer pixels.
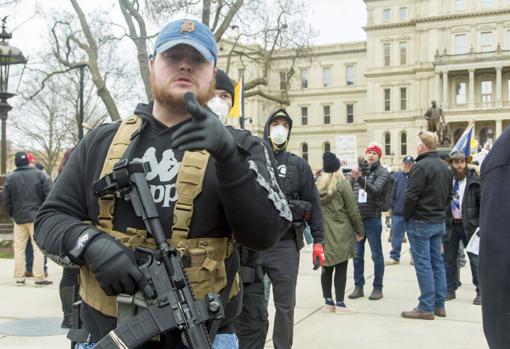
[{"x": 342, "y": 227}]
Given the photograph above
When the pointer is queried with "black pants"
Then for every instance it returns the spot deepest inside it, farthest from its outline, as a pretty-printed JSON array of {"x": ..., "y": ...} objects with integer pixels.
[
  {"x": 451, "y": 249},
  {"x": 340, "y": 270},
  {"x": 252, "y": 324},
  {"x": 281, "y": 264}
]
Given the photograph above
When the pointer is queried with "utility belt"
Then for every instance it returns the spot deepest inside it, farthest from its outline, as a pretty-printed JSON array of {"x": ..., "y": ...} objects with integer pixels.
[{"x": 203, "y": 258}]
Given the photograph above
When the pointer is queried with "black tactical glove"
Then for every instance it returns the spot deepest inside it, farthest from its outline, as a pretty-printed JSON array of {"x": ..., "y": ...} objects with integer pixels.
[
  {"x": 205, "y": 131},
  {"x": 114, "y": 266}
]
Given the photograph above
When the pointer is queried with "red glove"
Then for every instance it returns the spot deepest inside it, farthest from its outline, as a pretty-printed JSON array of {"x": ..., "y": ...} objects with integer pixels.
[{"x": 318, "y": 256}]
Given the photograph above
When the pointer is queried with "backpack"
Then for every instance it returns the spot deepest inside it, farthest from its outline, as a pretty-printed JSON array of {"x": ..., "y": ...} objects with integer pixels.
[{"x": 387, "y": 200}]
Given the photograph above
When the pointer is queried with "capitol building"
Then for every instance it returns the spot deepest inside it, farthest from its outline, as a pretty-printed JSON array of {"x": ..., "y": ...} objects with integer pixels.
[{"x": 456, "y": 52}]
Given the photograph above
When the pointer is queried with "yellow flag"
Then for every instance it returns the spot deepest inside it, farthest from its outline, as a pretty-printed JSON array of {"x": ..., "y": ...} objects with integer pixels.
[{"x": 237, "y": 110}]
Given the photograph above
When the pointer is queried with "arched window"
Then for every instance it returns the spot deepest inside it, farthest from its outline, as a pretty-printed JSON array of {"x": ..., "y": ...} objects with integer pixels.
[
  {"x": 457, "y": 133},
  {"x": 304, "y": 151},
  {"x": 484, "y": 135},
  {"x": 403, "y": 143},
  {"x": 326, "y": 147},
  {"x": 387, "y": 143}
]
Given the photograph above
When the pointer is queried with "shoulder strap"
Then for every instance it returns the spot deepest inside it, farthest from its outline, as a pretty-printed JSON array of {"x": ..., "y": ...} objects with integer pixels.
[
  {"x": 120, "y": 143},
  {"x": 189, "y": 184},
  {"x": 290, "y": 175}
]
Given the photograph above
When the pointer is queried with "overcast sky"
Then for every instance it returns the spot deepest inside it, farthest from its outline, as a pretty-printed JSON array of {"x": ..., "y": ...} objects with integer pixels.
[{"x": 334, "y": 20}]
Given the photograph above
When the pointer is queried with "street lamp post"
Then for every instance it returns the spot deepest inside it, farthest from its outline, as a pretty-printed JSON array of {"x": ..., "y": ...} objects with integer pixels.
[{"x": 9, "y": 57}]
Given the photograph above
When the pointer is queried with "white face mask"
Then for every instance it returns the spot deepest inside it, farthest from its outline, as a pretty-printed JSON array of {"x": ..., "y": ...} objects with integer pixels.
[
  {"x": 219, "y": 107},
  {"x": 279, "y": 134}
]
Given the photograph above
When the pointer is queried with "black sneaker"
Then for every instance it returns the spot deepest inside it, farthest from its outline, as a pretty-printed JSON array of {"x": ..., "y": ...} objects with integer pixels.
[
  {"x": 43, "y": 283},
  {"x": 477, "y": 300},
  {"x": 450, "y": 295},
  {"x": 20, "y": 283}
]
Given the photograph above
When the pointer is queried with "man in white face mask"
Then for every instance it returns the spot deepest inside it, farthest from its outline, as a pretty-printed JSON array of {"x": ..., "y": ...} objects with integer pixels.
[
  {"x": 223, "y": 98},
  {"x": 281, "y": 263}
]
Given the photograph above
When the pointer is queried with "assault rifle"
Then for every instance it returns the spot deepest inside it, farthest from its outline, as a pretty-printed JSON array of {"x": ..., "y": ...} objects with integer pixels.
[{"x": 169, "y": 302}]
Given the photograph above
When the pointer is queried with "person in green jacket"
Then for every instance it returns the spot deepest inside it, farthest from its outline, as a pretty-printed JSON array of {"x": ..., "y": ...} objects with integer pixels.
[{"x": 342, "y": 227}]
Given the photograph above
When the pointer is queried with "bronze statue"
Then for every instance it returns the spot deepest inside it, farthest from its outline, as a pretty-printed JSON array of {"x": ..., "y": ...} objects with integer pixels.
[{"x": 437, "y": 123}]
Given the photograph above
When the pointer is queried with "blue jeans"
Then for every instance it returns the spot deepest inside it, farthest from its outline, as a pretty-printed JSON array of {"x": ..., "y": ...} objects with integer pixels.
[
  {"x": 425, "y": 239},
  {"x": 373, "y": 230},
  {"x": 397, "y": 229},
  {"x": 221, "y": 341}
]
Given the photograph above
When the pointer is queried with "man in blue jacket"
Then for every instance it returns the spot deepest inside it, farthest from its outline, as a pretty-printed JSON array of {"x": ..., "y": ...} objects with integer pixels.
[{"x": 397, "y": 209}]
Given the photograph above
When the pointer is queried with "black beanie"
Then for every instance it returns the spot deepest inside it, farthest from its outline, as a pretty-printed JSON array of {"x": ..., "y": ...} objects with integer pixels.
[
  {"x": 223, "y": 83},
  {"x": 21, "y": 159},
  {"x": 330, "y": 162}
]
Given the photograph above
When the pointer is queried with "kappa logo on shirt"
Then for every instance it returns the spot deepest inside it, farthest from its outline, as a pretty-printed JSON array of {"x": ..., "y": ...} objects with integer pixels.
[
  {"x": 164, "y": 173},
  {"x": 282, "y": 170}
]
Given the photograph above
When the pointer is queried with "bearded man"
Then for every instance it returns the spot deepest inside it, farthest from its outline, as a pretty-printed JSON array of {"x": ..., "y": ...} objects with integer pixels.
[
  {"x": 185, "y": 145},
  {"x": 463, "y": 217}
]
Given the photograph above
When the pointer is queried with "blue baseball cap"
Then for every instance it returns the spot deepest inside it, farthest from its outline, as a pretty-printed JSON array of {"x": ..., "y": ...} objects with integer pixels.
[{"x": 188, "y": 32}]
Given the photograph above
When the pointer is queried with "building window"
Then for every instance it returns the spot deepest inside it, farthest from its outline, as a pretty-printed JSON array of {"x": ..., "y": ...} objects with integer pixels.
[
  {"x": 387, "y": 143},
  {"x": 327, "y": 114},
  {"x": 387, "y": 99},
  {"x": 326, "y": 147},
  {"x": 403, "y": 143},
  {"x": 403, "y": 98},
  {"x": 326, "y": 76},
  {"x": 486, "y": 3},
  {"x": 349, "y": 74},
  {"x": 305, "y": 76},
  {"x": 304, "y": 116},
  {"x": 387, "y": 54},
  {"x": 403, "y": 52},
  {"x": 283, "y": 80},
  {"x": 460, "y": 5},
  {"x": 350, "y": 113},
  {"x": 460, "y": 96},
  {"x": 486, "y": 93},
  {"x": 304, "y": 151},
  {"x": 460, "y": 44},
  {"x": 486, "y": 41},
  {"x": 402, "y": 13},
  {"x": 386, "y": 14},
  {"x": 456, "y": 134}
]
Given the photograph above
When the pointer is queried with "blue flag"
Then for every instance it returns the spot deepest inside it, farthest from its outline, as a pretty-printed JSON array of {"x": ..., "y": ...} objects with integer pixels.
[{"x": 464, "y": 142}]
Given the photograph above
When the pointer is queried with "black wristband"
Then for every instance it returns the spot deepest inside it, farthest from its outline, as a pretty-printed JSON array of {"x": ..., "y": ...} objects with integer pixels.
[{"x": 81, "y": 243}]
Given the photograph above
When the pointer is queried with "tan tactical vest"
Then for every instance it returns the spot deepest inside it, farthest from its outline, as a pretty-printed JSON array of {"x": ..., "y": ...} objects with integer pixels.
[{"x": 206, "y": 271}]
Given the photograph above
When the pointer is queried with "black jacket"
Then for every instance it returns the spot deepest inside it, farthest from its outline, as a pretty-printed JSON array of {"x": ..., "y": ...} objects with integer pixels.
[
  {"x": 240, "y": 196},
  {"x": 25, "y": 191},
  {"x": 302, "y": 187},
  {"x": 429, "y": 189},
  {"x": 399, "y": 192},
  {"x": 375, "y": 186},
  {"x": 470, "y": 207},
  {"x": 494, "y": 262}
]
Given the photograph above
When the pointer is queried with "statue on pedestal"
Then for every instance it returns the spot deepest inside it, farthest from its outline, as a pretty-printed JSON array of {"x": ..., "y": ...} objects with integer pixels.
[{"x": 436, "y": 123}]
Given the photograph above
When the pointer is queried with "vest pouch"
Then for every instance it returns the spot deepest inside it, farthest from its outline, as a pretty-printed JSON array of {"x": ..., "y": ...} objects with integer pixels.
[{"x": 206, "y": 272}]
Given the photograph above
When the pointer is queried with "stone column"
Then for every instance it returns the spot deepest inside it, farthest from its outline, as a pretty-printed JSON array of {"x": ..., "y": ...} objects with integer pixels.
[
  {"x": 499, "y": 128},
  {"x": 445, "y": 90},
  {"x": 437, "y": 89},
  {"x": 471, "y": 101},
  {"x": 499, "y": 91}
]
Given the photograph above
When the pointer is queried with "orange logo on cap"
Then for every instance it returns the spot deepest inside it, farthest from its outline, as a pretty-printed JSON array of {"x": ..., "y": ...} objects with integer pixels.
[{"x": 188, "y": 26}]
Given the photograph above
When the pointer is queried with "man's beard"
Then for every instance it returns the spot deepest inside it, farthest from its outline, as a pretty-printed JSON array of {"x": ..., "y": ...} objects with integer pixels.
[
  {"x": 164, "y": 96},
  {"x": 460, "y": 175}
]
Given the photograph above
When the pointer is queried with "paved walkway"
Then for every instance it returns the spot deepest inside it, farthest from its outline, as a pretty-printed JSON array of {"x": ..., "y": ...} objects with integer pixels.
[{"x": 377, "y": 324}]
